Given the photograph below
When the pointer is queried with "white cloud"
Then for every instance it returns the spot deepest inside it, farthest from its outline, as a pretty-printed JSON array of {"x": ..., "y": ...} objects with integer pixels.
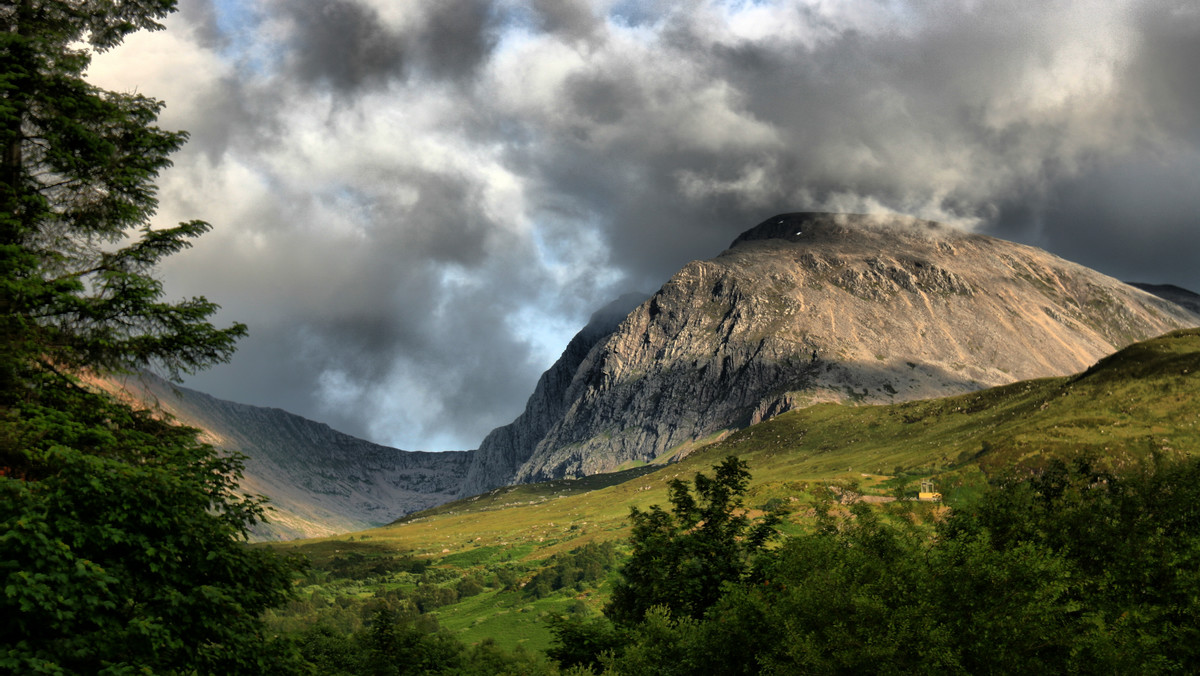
[{"x": 414, "y": 202}]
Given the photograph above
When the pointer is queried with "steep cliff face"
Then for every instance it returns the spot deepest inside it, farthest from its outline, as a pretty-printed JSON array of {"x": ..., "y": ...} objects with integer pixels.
[
  {"x": 506, "y": 448},
  {"x": 320, "y": 481},
  {"x": 815, "y": 307}
]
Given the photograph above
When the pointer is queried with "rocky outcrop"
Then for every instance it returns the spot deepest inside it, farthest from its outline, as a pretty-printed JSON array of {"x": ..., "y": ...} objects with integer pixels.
[
  {"x": 319, "y": 481},
  {"x": 807, "y": 308},
  {"x": 508, "y": 447}
]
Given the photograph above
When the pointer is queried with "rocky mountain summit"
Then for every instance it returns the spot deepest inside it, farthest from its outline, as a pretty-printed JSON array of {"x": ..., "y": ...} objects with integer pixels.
[
  {"x": 320, "y": 481},
  {"x": 806, "y": 308}
]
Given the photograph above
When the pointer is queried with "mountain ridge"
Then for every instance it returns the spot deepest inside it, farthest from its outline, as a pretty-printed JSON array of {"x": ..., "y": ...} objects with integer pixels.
[
  {"x": 1184, "y": 298},
  {"x": 811, "y": 307},
  {"x": 800, "y": 309},
  {"x": 320, "y": 481}
]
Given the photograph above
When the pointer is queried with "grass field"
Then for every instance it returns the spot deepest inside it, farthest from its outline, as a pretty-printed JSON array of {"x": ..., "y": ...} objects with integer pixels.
[{"x": 1138, "y": 402}]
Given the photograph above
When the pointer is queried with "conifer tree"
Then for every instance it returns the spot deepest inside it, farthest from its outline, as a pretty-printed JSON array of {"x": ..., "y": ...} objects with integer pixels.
[
  {"x": 122, "y": 539},
  {"x": 77, "y": 182}
]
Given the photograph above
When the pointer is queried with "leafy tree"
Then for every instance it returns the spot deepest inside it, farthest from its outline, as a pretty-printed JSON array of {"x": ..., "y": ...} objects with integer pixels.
[
  {"x": 331, "y": 653},
  {"x": 123, "y": 547},
  {"x": 1073, "y": 570},
  {"x": 1131, "y": 540},
  {"x": 664, "y": 645},
  {"x": 397, "y": 644},
  {"x": 122, "y": 542},
  {"x": 588, "y": 563},
  {"x": 682, "y": 559},
  {"x": 581, "y": 641}
]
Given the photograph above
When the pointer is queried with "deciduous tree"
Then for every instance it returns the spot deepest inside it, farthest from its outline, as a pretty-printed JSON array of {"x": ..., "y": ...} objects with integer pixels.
[{"x": 682, "y": 559}]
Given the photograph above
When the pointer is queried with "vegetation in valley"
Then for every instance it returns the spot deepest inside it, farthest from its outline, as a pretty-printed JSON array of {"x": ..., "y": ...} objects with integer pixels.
[
  {"x": 1076, "y": 569},
  {"x": 831, "y": 476}
]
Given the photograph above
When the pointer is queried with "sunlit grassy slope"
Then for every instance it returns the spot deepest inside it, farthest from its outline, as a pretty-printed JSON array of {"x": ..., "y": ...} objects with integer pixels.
[{"x": 1139, "y": 401}]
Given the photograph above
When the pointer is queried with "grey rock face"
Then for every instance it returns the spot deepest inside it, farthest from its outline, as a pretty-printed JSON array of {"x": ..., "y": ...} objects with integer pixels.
[
  {"x": 807, "y": 308},
  {"x": 508, "y": 447},
  {"x": 319, "y": 481},
  {"x": 1188, "y": 300}
]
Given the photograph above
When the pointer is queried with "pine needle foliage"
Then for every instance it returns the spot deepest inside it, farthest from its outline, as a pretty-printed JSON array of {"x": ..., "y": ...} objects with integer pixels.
[{"x": 122, "y": 544}]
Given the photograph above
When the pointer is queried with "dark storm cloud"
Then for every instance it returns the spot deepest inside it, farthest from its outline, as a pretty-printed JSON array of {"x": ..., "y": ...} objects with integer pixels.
[
  {"x": 201, "y": 17},
  {"x": 1135, "y": 220},
  {"x": 348, "y": 46},
  {"x": 342, "y": 43},
  {"x": 446, "y": 224},
  {"x": 377, "y": 336},
  {"x": 1134, "y": 215},
  {"x": 573, "y": 19},
  {"x": 1166, "y": 68},
  {"x": 457, "y": 37},
  {"x": 601, "y": 98},
  {"x": 965, "y": 114},
  {"x": 417, "y": 203}
]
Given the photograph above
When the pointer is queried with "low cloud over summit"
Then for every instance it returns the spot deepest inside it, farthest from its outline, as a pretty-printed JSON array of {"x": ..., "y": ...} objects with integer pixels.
[{"x": 416, "y": 204}]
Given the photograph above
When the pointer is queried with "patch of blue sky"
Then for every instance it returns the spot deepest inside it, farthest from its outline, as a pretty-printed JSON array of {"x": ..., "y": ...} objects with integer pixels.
[
  {"x": 553, "y": 257},
  {"x": 742, "y": 5},
  {"x": 545, "y": 332},
  {"x": 543, "y": 326},
  {"x": 872, "y": 16},
  {"x": 243, "y": 44},
  {"x": 356, "y": 210},
  {"x": 564, "y": 257},
  {"x": 638, "y": 13},
  {"x": 517, "y": 24},
  {"x": 515, "y": 35}
]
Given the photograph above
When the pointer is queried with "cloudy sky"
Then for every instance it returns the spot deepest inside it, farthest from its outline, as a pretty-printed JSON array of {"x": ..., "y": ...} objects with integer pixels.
[{"x": 417, "y": 202}]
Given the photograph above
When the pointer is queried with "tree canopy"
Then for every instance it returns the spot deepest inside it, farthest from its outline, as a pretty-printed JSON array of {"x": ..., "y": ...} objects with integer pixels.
[
  {"x": 682, "y": 559},
  {"x": 1073, "y": 570},
  {"x": 122, "y": 548}
]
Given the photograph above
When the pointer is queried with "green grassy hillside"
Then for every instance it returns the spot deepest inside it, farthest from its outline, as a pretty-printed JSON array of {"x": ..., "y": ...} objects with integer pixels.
[{"x": 1137, "y": 402}]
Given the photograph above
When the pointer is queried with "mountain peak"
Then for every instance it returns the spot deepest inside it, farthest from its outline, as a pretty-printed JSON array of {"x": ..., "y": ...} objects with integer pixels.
[
  {"x": 809, "y": 226},
  {"x": 810, "y": 307}
]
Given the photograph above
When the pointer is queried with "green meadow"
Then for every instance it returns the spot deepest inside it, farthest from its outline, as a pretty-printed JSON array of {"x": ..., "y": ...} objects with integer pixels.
[{"x": 470, "y": 564}]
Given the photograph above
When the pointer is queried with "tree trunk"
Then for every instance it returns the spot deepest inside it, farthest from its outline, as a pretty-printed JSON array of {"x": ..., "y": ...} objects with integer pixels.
[{"x": 12, "y": 169}]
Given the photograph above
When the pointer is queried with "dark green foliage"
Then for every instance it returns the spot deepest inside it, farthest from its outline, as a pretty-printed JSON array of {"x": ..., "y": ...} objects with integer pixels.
[
  {"x": 356, "y": 566},
  {"x": 399, "y": 644},
  {"x": 331, "y": 653},
  {"x": 430, "y": 596},
  {"x": 1074, "y": 570},
  {"x": 1132, "y": 542},
  {"x": 469, "y": 586},
  {"x": 76, "y": 178},
  {"x": 581, "y": 641},
  {"x": 488, "y": 659},
  {"x": 507, "y": 577},
  {"x": 587, "y": 564},
  {"x": 683, "y": 559},
  {"x": 122, "y": 546}
]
